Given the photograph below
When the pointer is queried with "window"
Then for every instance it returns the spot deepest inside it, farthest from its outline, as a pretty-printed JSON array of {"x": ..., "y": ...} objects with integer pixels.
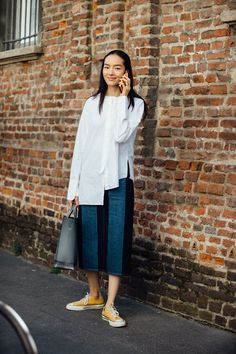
[{"x": 19, "y": 23}]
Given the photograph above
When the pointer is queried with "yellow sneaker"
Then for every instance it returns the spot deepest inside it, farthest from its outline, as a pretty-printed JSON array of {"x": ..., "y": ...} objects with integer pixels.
[
  {"x": 86, "y": 303},
  {"x": 111, "y": 315}
]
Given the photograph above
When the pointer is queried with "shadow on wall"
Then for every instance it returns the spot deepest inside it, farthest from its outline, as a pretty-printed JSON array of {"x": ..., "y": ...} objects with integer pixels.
[
  {"x": 173, "y": 279},
  {"x": 33, "y": 236}
]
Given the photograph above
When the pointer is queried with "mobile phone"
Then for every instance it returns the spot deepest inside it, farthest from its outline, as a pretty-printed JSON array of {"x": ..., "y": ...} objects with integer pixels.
[{"x": 125, "y": 74}]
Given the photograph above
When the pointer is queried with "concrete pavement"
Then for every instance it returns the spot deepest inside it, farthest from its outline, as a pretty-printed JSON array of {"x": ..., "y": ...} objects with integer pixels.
[{"x": 40, "y": 297}]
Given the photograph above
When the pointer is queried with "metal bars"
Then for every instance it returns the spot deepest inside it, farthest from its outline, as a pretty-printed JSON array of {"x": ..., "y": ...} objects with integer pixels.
[{"x": 22, "y": 23}]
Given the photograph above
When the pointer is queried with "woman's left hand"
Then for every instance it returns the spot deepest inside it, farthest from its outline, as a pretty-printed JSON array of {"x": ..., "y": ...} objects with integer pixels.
[{"x": 124, "y": 85}]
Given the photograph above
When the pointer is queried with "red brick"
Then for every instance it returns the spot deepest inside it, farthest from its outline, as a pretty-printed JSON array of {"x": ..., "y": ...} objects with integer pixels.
[
  {"x": 185, "y": 17},
  {"x": 218, "y": 89},
  {"x": 216, "y": 240},
  {"x": 217, "y": 66},
  {"x": 230, "y": 214},
  {"x": 211, "y": 250},
  {"x": 227, "y": 136},
  {"x": 175, "y": 112},
  {"x": 228, "y": 243},
  {"x": 215, "y": 33},
  {"x": 216, "y": 189},
  {"x": 196, "y": 166},
  {"x": 164, "y": 132},
  {"x": 179, "y": 175},
  {"x": 190, "y": 69},
  {"x": 169, "y": 19},
  {"x": 231, "y": 101},
  {"x": 205, "y": 257},
  {"x": 171, "y": 164},
  {"x": 218, "y": 178},
  {"x": 231, "y": 178},
  {"x": 219, "y": 261},
  {"x": 200, "y": 211},
  {"x": 216, "y": 45},
  {"x": 201, "y": 238},
  {"x": 211, "y": 78},
  {"x": 176, "y": 50},
  {"x": 214, "y": 212},
  {"x": 198, "y": 78},
  {"x": 228, "y": 123},
  {"x": 167, "y": 30},
  {"x": 183, "y": 59},
  {"x": 184, "y": 165},
  {"x": 169, "y": 39},
  {"x": 202, "y": 47},
  {"x": 197, "y": 90},
  {"x": 217, "y": 55},
  {"x": 192, "y": 176},
  {"x": 209, "y": 101},
  {"x": 219, "y": 223},
  {"x": 189, "y": 48},
  {"x": 200, "y": 188}
]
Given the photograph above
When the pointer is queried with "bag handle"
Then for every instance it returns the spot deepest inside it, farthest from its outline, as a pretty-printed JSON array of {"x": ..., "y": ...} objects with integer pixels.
[{"x": 73, "y": 210}]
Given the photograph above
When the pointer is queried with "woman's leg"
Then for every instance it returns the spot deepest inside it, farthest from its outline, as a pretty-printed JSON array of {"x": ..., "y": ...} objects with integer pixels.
[
  {"x": 113, "y": 286},
  {"x": 109, "y": 312},
  {"x": 93, "y": 300},
  {"x": 94, "y": 284}
]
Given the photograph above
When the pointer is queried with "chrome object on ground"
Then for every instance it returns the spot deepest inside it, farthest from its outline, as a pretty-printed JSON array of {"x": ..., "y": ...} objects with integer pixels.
[{"x": 20, "y": 327}]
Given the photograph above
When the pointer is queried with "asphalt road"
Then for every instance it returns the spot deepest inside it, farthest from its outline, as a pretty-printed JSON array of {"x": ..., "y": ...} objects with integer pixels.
[{"x": 40, "y": 297}]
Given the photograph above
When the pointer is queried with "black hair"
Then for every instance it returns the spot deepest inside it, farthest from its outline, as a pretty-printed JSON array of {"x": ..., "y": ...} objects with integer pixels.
[{"x": 103, "y": 85}]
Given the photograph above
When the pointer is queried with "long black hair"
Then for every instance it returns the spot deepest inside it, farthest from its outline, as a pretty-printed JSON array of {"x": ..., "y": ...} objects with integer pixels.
[{"x": 103, "y": 85}]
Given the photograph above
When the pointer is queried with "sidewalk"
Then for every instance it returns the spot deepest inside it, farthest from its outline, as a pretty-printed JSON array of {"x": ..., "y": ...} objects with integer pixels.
[{"x": 40, "y": 298}]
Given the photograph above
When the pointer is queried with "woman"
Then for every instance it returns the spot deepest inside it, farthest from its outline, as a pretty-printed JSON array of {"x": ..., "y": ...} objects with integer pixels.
[{"x": 101, "y": 182}]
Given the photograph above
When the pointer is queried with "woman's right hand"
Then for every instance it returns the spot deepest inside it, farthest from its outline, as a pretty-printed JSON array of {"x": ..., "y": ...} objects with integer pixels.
[{"x": 75, "y": 200}]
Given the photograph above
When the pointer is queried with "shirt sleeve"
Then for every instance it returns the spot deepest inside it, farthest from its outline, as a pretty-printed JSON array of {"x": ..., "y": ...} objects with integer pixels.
[
  {"x": 127, "y": 120},
  {"x": 76, "y": 163}
]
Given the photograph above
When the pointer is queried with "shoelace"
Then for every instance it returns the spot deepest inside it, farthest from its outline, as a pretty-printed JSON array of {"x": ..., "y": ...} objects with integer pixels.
[
  {"x": 114, "y": 310},
  {"x": 86, "y": 299}
]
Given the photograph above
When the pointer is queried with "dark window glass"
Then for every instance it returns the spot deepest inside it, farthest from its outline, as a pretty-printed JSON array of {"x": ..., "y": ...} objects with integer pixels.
[{"x": 19, "y": 23}]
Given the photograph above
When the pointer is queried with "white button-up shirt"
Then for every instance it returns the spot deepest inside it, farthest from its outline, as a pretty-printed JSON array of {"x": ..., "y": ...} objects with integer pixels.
[{"x": 104, "y": 147}]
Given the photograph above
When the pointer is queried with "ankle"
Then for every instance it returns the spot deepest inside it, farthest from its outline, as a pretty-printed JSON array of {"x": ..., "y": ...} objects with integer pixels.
[{"x": 95, "y": 294}]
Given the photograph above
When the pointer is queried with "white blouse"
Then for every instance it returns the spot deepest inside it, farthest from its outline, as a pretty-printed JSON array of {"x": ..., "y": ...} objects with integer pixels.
[{"x": 104, "y": 147}]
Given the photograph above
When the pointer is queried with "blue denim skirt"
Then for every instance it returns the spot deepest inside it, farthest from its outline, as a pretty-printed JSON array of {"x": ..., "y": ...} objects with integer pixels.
[{"x": 105, "y": 239}]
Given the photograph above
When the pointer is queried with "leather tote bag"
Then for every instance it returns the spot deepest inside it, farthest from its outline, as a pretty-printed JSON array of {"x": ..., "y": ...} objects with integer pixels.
[{"x": 67, "y": 248}]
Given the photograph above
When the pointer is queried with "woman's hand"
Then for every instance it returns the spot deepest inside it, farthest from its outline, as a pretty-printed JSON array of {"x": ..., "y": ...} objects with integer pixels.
[
  {"x": 124, "y": 84},
  {"x": 75, "y": 200}
]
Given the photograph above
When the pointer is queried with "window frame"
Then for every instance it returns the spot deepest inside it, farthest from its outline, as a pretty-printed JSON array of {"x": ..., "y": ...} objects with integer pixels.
[{"x": 25, "y": 51}]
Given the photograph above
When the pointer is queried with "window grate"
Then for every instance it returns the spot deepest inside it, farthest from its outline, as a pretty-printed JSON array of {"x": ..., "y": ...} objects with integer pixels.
[{"x": 21, "y": 23}]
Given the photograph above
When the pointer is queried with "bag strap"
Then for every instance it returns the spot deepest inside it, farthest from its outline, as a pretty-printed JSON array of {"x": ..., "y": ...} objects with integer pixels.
[{"x": 73, "y": 210}]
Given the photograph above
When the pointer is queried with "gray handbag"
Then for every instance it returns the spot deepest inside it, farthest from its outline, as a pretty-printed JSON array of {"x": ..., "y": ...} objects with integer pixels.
[{"x": 67, "y": 248}]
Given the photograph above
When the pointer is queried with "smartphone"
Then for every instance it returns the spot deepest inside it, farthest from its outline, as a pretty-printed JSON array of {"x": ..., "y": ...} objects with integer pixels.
[{"x": 125, "y": 74}]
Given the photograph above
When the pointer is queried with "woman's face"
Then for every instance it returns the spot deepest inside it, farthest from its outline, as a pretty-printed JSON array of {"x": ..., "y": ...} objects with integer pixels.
[{"x": 113, "y": 69}]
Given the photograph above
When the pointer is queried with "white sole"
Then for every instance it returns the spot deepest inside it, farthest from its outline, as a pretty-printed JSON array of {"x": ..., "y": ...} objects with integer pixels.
[
  {"x": 115, "y": 324},
  {"x": 80, "y": 308}
]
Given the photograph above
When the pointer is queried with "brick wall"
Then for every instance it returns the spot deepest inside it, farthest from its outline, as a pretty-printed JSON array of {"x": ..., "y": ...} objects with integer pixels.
[
  {"x": 232, "y": 4},
  {"x": 185, "y": 214}
]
